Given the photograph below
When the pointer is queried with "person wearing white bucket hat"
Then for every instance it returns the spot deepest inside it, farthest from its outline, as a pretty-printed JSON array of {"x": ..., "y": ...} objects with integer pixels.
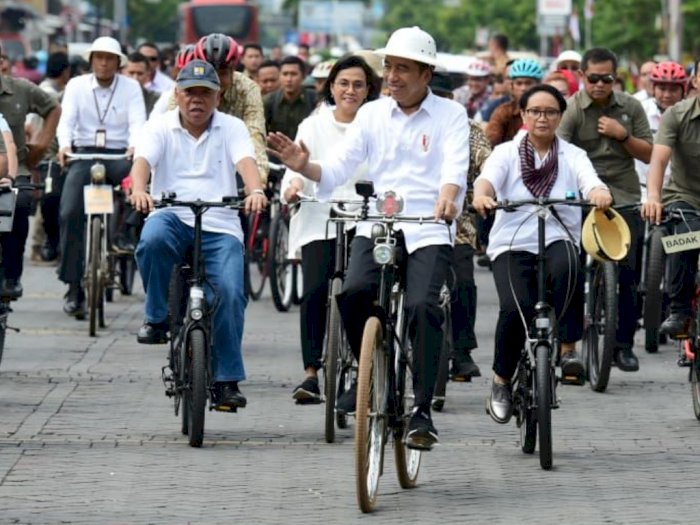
[
  {"x": 102, "y": 113},
  {"x": 417, "y": 144}
]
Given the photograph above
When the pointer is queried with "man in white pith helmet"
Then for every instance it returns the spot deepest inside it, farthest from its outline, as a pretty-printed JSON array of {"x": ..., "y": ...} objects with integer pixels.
[{"x": 417, "y": 145}]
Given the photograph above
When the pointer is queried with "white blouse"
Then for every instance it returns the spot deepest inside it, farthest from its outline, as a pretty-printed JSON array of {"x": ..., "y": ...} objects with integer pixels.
[{"x": 517, "y": 230}]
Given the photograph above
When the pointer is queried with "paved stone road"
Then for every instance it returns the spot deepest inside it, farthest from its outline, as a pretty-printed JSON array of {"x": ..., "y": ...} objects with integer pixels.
[{"x": 87, "y": 436}]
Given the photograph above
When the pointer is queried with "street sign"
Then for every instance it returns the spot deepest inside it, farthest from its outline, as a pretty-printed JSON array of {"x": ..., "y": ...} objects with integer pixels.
[
  {"x": 340, "y": 18},
  {"x": 554, "y": 7},
  {"x": 552, "y": 25}
]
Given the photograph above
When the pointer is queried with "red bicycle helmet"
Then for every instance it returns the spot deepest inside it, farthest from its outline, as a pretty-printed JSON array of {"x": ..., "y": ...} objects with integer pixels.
[
  {"x": 668, "y": 73},
  {"x": 218, "y": 49},
  {"x": 184, "y": 56}
]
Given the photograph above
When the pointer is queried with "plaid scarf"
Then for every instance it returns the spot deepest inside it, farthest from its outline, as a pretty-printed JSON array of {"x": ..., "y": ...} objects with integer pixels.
[{"x": 538, "y": 180}]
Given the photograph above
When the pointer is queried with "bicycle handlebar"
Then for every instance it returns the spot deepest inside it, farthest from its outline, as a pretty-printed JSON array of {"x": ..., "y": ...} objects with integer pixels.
[
  {"x": 169, "y": 201},
  {"x": 97, "y": 156}
]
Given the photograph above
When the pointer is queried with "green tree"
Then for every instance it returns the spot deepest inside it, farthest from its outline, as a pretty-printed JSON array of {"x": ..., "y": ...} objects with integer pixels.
[{"x": 153, "y": 20}]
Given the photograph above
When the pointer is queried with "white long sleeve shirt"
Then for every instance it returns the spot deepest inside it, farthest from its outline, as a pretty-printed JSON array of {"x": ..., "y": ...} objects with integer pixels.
[
  {"x": 414, "y": 155},
  {"x": 122, "y": 112},
  {"x": 517, "y": 230},
  {"x": 654, "y": 116},
  {"x": 161, "y": 82},
  {"x": 321, "y": 134}
]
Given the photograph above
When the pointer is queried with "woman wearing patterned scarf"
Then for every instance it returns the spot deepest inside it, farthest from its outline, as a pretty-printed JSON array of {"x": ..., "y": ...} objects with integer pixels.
[{"x": 536, "y": 164}]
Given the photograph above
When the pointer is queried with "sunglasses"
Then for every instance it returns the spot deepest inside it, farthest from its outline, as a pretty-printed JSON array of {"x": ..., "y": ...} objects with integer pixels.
[
  {"x": 153, "y": 59},
  {"x": 594, "y": 78}
]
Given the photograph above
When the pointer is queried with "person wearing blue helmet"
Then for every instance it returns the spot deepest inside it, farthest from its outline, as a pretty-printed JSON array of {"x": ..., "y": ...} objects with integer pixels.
[{"x": 506, "y": 121}]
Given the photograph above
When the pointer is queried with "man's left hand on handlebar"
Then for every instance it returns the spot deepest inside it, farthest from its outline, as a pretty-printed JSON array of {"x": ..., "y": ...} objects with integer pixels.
[
  {"x": 445, "y": 208},
  {"x": 652, "y": 210},
  {"x": 255, "y": 202},
  {"x": 141, "y": 201},
  {"x": 601, "y": 198}
]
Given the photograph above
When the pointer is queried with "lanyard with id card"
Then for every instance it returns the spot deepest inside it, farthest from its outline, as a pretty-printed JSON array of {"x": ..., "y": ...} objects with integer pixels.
[{"x": 101, "y": 134}]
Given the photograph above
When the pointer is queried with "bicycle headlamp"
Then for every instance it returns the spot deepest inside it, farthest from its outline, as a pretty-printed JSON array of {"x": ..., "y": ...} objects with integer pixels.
[
  {"x": 383, "y": 254},
  {"x": 196, "y": 314},
  {"x": 98, "y": 173}
]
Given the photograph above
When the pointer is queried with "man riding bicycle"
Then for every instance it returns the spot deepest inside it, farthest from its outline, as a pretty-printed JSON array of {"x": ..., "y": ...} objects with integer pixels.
[
  {"x": 195, "y": 152},
  {"x": 677, "y": 140},
  {"x": 417, "y": 144},
  {"x": 102, "y": 112}
]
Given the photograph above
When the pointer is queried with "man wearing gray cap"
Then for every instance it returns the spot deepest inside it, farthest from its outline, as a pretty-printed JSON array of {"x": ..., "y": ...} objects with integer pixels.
[{"x": 195, "y": 151}]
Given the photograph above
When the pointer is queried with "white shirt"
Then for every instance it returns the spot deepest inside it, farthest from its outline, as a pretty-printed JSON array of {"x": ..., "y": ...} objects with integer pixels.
[
  {"x": 197, "y": 168},
  {"x": 414, "y": 155},
  {"x": 654, "y": 117},
  {"x": 642, "y": 95},
  {"x": 122, "y": 112},
  {"x": 517, "y": 230},
  {"x": 161, "y": 105},
  {"x": 321, "y": 134},
  {"x": 161, "y": 82}
]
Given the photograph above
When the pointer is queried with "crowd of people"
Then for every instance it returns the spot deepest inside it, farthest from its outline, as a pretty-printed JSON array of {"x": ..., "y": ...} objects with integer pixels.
[{"x": 208, "y": 125}]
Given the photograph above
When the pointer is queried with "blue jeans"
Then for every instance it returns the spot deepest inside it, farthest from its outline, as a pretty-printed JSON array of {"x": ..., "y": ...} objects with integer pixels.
[{"x": 164, "y": 240}]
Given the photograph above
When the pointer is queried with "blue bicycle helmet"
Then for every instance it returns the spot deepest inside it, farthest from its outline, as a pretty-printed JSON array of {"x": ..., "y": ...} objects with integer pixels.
[{"x": 526, "y": 68}]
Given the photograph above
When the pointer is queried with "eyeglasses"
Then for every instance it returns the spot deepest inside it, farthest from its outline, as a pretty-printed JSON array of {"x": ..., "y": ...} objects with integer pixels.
[
  {"x": 594, "y": 78},
  {"x": 548, "y": 113},
  {"x": 345, "y": 84}
]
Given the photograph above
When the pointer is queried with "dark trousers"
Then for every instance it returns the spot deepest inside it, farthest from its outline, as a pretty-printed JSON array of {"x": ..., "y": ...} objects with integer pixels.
[
  {"x": 50, "y": 202},
  {"x": 426, "y": 270},
  {"x": 72, "y": 213},
  {"x": 463, "y": 300},
  {"x": 317, "y": 264},
  {"x": 515, "y": 274},
  {"x": 627, "y": 279},
  {"x": 13, "y": 242},
  {"x": 683, "y": 265}
]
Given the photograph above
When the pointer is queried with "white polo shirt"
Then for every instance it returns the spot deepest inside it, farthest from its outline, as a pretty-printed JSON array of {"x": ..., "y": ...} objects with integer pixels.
[
  {"x": 517, "y": 230},
  {"x": 87, "y": 107},
  {"x": 413, "y": 155},
  {"x": 197, "y": 168}
]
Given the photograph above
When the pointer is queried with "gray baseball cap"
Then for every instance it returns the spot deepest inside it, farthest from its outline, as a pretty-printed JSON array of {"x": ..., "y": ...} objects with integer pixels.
[{"x": 198, "y": 73}]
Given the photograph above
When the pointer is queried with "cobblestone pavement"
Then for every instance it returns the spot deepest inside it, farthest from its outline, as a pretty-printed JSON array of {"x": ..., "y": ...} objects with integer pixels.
[{"x": 87, "y": 436}]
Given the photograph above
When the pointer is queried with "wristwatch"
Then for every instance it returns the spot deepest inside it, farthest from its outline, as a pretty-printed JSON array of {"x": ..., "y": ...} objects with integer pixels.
[{"x": 258, "y": 191}]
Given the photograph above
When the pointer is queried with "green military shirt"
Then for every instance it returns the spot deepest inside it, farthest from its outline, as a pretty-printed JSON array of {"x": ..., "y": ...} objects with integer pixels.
[
  {"x": 680, "y": 131},
  {"x": 285, "y": 115},
  {"x": 18, "y": 97},
  {"x": 613, "y": 163}
]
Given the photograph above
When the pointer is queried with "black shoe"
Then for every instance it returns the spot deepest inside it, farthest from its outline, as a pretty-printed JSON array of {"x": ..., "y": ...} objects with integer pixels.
[
  {"x": 483, "y": 261},
  {"x": 122, "y": 244},
  {"x": 464, "y": 368},
  {"x": 307, "y": 393},
  {"x": 421, "y": 433},
  {"x": 48, "y": 252},
  {"x": 12, "y": 288},
  {"x": 625, "y": 359},
  {"x": 346, "y": 402},
  {"x": 676, "y": 325},
  {"x": 230, "y": 397},
  {"x": 572, "y": 370},
  {"x": 153, "y": 334},
  {"x": 499, "y": 404},
  {"x": 74, "y": 301}
]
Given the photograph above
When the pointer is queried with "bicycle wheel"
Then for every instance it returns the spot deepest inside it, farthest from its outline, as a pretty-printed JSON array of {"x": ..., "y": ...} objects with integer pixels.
[
  {"x": 346, "y": 375},
  {"x": 526, "y": 420},
  {"x": 407, "y": 460},
  {"x": 3, "y": 327},
  {"x": 127, "y": 273},
  {"x": 331, "y": 364},
  {"x": 544, "y": 404},
  {"x": 281, "y": 269},
  {"x": 94, "y": 277},
  {"x": 298, "y": 285},
  {"x": 196, "y": 393},
  {"x": 370, "y": 429},
  {"x": 695, "y": 383},
  {"x": 654, "y": 299},
  {"x": 600, "y": 336},
  {"x": 257, "y": 254}
]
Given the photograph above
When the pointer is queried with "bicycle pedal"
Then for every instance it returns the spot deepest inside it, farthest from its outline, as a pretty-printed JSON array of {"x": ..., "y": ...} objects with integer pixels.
[
  {"x": 572, "y": 380},
  {"x": 224, "y": 408},
  {"x": 683, "y": 362},
  {"x": 461, "y": 379}
]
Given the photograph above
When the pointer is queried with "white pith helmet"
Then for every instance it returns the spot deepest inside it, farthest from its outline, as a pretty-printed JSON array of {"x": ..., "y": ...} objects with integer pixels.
[
  {"x": 412, "y": 43},
  {"x": 106, "y": 44}
]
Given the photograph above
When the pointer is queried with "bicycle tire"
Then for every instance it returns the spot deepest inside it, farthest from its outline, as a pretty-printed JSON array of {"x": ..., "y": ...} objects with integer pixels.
[
  {"x": 298, "y": 288},
  {"x": 331, "y": 364},
  {"x": 127, "y": 274},
  {"x": 695, "y": 384},
  {"x": 370, "y": 430},
  {"x": 196, "y": 394},
  {"x": 3, "y": 328},
  {"x": 527, "y": 420},
  {"x": 407, "y": 460},
  {"x": 281, "y": 271},
  {"x": 544, "y": 404},
  {"x": 654, "y": 298},
  {"x": 257, "y": 254},
  {"x": 603, "y": 328},
  {"x": 93, "y": 280},
  {"x": 176, "y": 302}
]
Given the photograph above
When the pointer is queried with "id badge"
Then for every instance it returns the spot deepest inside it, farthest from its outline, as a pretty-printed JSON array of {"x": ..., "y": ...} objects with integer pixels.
[{"x": 101, "y": 138}]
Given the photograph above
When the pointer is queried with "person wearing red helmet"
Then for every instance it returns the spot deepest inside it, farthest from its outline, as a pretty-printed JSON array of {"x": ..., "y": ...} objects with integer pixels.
[
  {"x": 668, "y": 84},
  {"x": 477, "y": 90}
]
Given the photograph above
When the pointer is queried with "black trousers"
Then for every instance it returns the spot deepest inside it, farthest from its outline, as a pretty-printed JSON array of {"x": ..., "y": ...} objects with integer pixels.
[
  {"x": 426, "y": 270},
  {"x": 72, "y": 212},
  {"x": 463, "y": 300},
  {"x": 50, "y": 202},
  {"x": 317, "y": 264},
  {"x": 13, "y": 242},
  {"x": 627, "y": 278},
  {"x": 515, "y": 274},
  {"x": 683, "y": 265}
]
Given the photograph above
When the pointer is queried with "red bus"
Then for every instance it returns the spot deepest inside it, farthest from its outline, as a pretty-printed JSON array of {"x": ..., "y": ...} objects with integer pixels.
[{"x": 236, "y": 18}]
